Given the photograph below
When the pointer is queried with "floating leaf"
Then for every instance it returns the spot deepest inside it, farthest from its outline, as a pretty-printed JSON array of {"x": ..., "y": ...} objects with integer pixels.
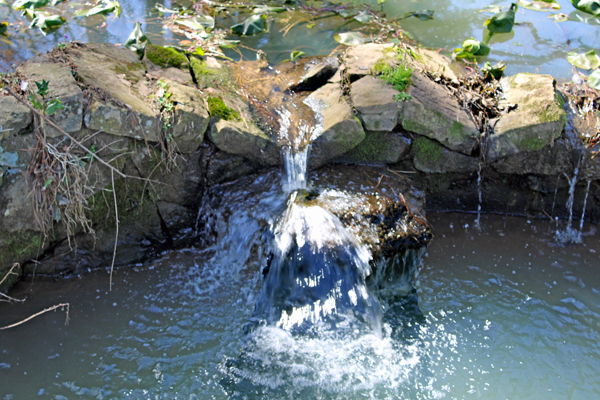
[
  {"x": 199, "y": 23},
  {"x": 137, "y": 40},
  {"x": 22, "y": 4},
  {"x": 251, "y": 26},
  {"x": 351, "y": 38},
  {"x": 594, "y": 79},
  {"x": 294, "y": 55},
  {"x": 560, "y": 17},
  {"x": 363, "y": 17},
  {"x": 492, "y": 9},
  {"x": 470, "y": 49},
  {"x": 47, "y": 22},
  {"x": 264, "y": 9},
  {"x": 540, "y": 5},
  {"x": 502, "y": 22},
  {"x": 3, "y": 27},
  {"x": 164, "y": 10},
  {"x": 493, "y": 71},
  {"x": 423, "y": 15},
  {"x": 588, "y": 6},
  {"x": 587, "y": 60},
  {"x": 104, "y": 7}
]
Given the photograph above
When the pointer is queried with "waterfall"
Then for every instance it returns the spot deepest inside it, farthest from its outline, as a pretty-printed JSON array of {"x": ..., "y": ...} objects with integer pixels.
[
  {"x": 570, "y": 235},
  {"x": 587, "y": 192},
  {"x": 295, "y": 163}
]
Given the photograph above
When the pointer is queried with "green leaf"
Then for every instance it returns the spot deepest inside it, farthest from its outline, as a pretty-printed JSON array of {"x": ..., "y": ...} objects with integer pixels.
[
  {"x": 471, "y": 46},
  {"x": 264, "y": 9},
  {"x": 36, "y": 103},
  {"x": 48, "y": 183},
  {"x": 363, "y": 17},
  {"x": 502, "y": 22},
  {"x": 137, "y": 40},
  {"x": 104, "y": 7},
  {"x": 560, "y": 17},
  {"x": 351, "y": 38},
  {"x": 594, "y": 79},
  {"x": 22, "y": 4},
  {"x": 588, "y": 60},
  {"x": 423, "y": 15},
  {"x": 294, "y": 55},
  {"x": 42, "y": 87},
  {"x": 199, "y": 23},
  {"x": 380, "y": 2},
  {"x": 251, "y": 26},
  {"x": 540, "y": 5},
  {"x": 493, "y": 71},
  {"x": 53, "y": 106},
  {"x": 3, "y": 27},
  {"x": 588, "y": 6}
]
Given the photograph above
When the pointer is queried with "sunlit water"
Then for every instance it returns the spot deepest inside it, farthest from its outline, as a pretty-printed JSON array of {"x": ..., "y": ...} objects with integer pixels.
[
  {"x": 506, "y": 314},
  {"x": 537, "y": 44}
]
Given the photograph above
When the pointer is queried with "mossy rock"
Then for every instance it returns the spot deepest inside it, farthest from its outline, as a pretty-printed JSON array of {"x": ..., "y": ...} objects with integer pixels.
[
  {"x": 17, "y": 247},
  {"x": 218, "y": 108},
  {"x": 431, "y": 157},
  {"x": 166, "y": 57},
  {"x": 378, "y": 148},
  {"x": 207, "y": 75}
]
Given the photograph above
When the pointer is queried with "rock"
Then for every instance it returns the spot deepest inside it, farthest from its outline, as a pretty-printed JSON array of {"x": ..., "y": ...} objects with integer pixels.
[
  {"x": 17, "y": 247},
  {"x": 435, "y": 62},
  {"x": 360, "y": 60},
  {"x": 16, "y": 203},
  {"x": 553, "y": 160},
  {"x": 434, "y": 113},
  {"x": 16, "y": 152},
  {"x": 590, "y": 166},
  {"x": 121, "y": 109},
  {"x": 190, "y": 117},
  {"x": 210, "y": 73},
  {"x": 105, "y": 145},
  {"x": 341, "y": 130},
  {"x": 432, "y": 157},
  {"x": 378, "y": 148},
  {"x": 317, "y": 75},
  {"x": 165, "y": 57},
  {"x": 222, "y": 167},
  {"x": 374, "y": 100},
  {"x": 238, "y": 134},
  {"x": 538, "y": 120},
  {"x": 61, "y": 85},
  {"x": 14, "y": 117}
]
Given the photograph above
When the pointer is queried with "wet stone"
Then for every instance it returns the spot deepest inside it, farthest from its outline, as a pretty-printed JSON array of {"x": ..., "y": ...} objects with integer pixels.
[
  {"x": 374, "y": 100},
  {"x": 14, "y": 117},
  {"x": 360, "y": 60},
  {"x": 432, "y": 157},
  {"x": 190, "y": 117}
]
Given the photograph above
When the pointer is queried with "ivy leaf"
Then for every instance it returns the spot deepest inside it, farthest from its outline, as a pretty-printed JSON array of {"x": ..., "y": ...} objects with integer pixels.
[
  {"x": 351, "y": 38},
  {"x": 104, "y": 7},
  {"x": 588, "y": 60},
  {"x": 423, "y": 15},
  {"x": 502, "y": 22},
  {"x": 53, "y": 106},
  {"x": 251, "y": 26},
  {"x": 588, "y": 6},
  {"x": 42, "y": 87},
  {"x": 22, "y": 4},
  {"x": 137, "y": 40},
  {"x": 594, "y": 79},
  {"x": 36, "y": 103},
  {"x": 540, "y": 5}
]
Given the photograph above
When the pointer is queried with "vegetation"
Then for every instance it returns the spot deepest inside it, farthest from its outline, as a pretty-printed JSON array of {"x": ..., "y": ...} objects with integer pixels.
[
  {"x": 398, "y": 76},
  {"x": 218, "y": 108}
]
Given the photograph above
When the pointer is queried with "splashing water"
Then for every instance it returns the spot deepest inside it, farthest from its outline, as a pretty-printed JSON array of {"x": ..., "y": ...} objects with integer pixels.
[{"x": 570, "y": 234}]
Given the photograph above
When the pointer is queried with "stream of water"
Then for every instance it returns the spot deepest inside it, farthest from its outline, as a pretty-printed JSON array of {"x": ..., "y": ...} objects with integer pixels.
[{"x": 507, "y": 313}]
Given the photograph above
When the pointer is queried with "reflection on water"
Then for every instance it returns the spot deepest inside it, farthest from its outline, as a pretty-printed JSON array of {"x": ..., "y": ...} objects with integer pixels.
[
  {"x": 537, "y": 44},
  {"x": 506, "y": 314}
]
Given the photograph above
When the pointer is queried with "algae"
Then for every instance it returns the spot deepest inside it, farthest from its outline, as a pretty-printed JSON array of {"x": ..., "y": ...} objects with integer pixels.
[{"x": 370, "y": 149}]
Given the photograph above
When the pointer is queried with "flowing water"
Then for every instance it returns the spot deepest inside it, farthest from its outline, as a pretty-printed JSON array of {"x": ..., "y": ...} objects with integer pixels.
[{"x": 506, "y": 313}]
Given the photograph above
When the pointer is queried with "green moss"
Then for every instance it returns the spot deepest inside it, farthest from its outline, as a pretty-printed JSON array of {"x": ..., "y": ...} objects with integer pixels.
[
  {"x": 17, "y": 247},
  {"x": 457, "y": 130},
  {"x": 427, "y": 150},
  {"x": 530, "y": 144},
  {"x": 399, "y": 77},
  {"x": 414, "y": 126},
  {"x": 128, "y": 70},
  {"x": 370, "y": 149},
  {"x": 209, "y": 77},
  {"x": 217, "y": 107},
  {"x": 133, "y": 201},
  {"x": 166, "y": 57}
]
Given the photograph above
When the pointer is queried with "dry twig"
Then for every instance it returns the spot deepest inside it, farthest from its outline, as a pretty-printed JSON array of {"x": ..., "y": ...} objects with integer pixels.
[{"x": 38, "y": 314}]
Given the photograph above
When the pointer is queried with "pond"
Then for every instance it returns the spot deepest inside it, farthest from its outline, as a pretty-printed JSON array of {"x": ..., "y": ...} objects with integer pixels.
[
  {"x": 507, "y": 313},
  {"x": 536, "y": 44}
]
